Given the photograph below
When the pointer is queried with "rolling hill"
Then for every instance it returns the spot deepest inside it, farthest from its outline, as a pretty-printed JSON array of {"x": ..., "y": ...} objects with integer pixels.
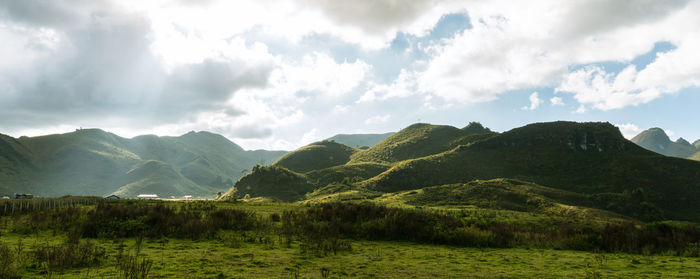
[
  {"x": 655, "y": 139},
  {"x": 591, "y": 161},
  {"x": 95, "y": 162},
  {"x": 315, "y": 156}
]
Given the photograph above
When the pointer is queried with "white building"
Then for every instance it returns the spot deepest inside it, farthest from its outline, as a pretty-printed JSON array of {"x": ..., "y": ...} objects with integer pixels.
[{"x": 147, "y": 196}]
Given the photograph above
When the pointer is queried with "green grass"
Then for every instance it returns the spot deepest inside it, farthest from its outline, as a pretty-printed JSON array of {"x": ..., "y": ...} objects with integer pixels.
[
  {"x": 368, "y": 259},
  {"x": 250, "y": 258}
]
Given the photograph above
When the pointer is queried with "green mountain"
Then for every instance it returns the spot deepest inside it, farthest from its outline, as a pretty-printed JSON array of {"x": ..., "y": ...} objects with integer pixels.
[
  {"x": 419, "y": 140},
  {"x": 587, "y": 165},
  {"x": 95, "y": 162},
  {"x": 359, "y": 140},
  {"x": 697, "y": 144},
  {"x": 655, "y": 139},
  {"x": 315, "y": 156}
]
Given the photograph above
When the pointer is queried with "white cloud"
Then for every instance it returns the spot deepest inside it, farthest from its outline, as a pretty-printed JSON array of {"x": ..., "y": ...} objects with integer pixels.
[
  {"x": 377, "y": 119},
  {"x": 320, "y": 73},
  {"x": 535, "y": 102},
  {"x": 556, "y": 101},
  {"x": 580, "y": 110},
  {"x": 669, "y": 73},
  {"x": 403, "y": 86},
  {"x": 509, "y": 49},
  {"x": 629, "y": 130}
]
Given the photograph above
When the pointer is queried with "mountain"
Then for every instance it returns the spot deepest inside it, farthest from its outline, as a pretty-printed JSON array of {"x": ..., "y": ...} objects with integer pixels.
[
  {"x": 655, "y": 139},
  {"x": 592, "y": 162},
  {"x": 315, "y": 156},
  {"x": 95, "y": 162},
  {"x": 359, "y": 140},
  {"x": 420, "y": 140}
]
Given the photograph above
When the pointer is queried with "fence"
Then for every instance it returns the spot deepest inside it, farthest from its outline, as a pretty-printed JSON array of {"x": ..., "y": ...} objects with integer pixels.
[{"x": 20, "y": 206}]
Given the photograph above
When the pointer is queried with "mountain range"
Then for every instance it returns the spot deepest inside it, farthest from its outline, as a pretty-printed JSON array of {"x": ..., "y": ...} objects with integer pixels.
[
  {"x": 655, "y": 139},
  {"x": 584, "y": 167},
  {"x": 95, "y": 162},
  {"x": 577, "y": 165}
]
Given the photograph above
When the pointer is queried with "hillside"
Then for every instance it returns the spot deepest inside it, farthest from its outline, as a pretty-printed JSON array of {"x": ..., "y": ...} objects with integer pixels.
[
  {"x": 95, "y": 162},
  {"x": 591, "y": 162},
  {"x": 587, "y": 158},
  {"x": 420, "y": 140},
  {"x": 655, "y": 139},
  {"x": 359, "y": 140},
  {"x": 316, "y": 156},
  {"x": 271, "y": 181}
]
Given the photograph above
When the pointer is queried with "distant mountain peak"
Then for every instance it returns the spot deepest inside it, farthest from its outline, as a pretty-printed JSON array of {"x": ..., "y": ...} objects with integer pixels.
[
  {"x": 655, "y": 139},
  {"x": 683, "y": 141},
  {"x": 655, "y": 136}
]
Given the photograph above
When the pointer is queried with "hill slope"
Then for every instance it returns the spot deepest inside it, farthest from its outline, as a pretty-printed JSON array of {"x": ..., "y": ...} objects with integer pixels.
[
  {"x": 94, "y": 162},
  {"x": 588, "y": 158},
  {"x": 316, "y": 156},
  {"x": 420, "y": 140},
  {"x": 655, "y": 139}
]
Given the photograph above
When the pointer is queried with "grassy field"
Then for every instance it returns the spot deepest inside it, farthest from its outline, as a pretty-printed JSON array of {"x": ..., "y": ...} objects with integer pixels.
[
  {"x": 265, "y": 253},
  {"x": 368, "y": 259}
]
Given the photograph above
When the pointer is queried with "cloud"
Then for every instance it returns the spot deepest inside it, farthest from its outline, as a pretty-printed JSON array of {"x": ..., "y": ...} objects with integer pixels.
[
  {"x": 373, "y": 16},
  {"x": 250, "y": 131},
  {"x": 667, "y": 74},
  {"x": 629, "y": 130},
  {"x": 99, "y": 66},
  {"x": 556, "y": 101},
  {"x": 404, "y": 86},
  {"x": 535, "y": 102},
  {"x": 509, "y": 50},
  {"x": 377, "y": 119}
]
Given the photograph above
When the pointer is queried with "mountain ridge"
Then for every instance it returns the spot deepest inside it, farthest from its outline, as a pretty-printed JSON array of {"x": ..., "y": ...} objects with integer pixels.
[
  {"x": 96, "y": 162},
  {"x": 591, "y": 159},
  {"x": 656, "y": 140}
]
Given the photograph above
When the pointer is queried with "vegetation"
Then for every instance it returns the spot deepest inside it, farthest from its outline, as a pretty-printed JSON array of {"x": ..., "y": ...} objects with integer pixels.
[
  {"x": 419, "y": 140},
  {"x": 140, "y": 239},
  {"x": 316, "y": 156},
  {"x": 94, "y": 162},
  {"x": 584, "y": 165},
  {"x": 271, "y": 181},
  {"x": 586, "y": 158}
]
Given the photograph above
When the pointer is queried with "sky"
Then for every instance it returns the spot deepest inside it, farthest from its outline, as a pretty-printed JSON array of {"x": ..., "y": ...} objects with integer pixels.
[{"x": 271, "y": 74}]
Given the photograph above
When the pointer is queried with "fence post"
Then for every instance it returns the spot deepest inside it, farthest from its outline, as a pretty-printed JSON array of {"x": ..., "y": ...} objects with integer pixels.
[{"x": 13, "y": 207}]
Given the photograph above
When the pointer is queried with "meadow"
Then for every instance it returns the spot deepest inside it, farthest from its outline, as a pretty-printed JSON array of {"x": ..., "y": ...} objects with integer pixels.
[{"x": 206, "y": 239}]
